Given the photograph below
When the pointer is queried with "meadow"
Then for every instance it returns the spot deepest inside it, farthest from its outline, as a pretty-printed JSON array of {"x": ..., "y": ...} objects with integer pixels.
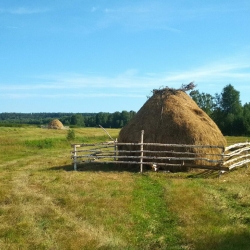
[{"x": 44, "y": 204}]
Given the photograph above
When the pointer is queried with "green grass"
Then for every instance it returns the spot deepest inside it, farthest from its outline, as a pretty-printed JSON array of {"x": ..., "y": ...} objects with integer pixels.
[
  {"x": 154, "y": 223},
  {"x": 44, "y": 204},
  {"x": 235, "y": 139}
]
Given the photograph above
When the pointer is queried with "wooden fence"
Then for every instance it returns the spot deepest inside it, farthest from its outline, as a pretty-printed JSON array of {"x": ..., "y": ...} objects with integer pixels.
[
  {"x": 108, "y": 152},
  {"x": 237, "y": 155}
]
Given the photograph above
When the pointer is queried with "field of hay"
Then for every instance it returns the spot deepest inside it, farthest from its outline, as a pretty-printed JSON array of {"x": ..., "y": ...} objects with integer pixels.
[{"x": 44, "y": 204}]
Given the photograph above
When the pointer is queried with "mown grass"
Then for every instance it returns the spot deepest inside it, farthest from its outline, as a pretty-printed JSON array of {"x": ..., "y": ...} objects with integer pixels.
[
  {"x": 44, "y": 204},
  {"x": 234, "y": 139}
]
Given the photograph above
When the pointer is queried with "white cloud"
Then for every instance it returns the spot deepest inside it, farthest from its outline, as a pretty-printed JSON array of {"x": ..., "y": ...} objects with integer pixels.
[
  {"x": 215, "y": 72},
  {"x": 210, "y": 78},
  {"x": 23, "y": 10}
]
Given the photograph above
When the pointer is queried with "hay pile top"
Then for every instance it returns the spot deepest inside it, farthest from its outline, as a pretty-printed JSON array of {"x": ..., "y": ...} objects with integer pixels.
[{"x": 184, "y": 88}]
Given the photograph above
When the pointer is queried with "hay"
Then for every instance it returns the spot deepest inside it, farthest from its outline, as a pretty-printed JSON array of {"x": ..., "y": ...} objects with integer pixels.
[
  {"x": 55, "y": 124},
  {"x": 172, "y": 117}
]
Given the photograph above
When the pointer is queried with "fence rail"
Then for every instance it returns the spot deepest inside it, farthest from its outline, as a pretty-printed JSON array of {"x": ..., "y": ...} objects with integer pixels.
[{"x": 237, "y": 155}]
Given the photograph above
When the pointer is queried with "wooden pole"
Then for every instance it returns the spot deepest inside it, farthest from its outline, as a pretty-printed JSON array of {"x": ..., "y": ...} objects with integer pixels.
[
  {"x": 75, "y": 158},
  {"x": 222, "y": 157},
  {"x": 115, "y": 146},
  {"x": 107, "y": 133},
  {"x": 141, "y": 159}
]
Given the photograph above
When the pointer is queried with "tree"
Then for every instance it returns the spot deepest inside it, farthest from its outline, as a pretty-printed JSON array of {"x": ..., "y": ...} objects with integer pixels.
[
  {"x": 125, "y": 117},
  {"x": 116, "y": 120},
  {"x": 226, "y": 110},
  {"x": 204, "y": 101},
  {"x": 230, "y": 100},
  {"x": 102, "y": 119},
  {"x": 229, "y": 115},
  {"x": 66, "y": 120},
  {"x": 90, "y": 121},
  {"x": 77, "y": 120},
  {"x": 246, "y": 118}
]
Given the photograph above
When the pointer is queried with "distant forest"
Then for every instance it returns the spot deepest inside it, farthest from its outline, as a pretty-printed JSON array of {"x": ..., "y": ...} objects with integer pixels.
[
  {"x": 107, "y": 120},
  {"x": 225, "y": 109}
]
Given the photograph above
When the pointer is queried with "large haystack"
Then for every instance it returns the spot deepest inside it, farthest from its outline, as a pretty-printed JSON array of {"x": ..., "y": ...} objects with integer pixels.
[
  {"x": 172, "y": 117},
  {"x": 55, "y": 124}
]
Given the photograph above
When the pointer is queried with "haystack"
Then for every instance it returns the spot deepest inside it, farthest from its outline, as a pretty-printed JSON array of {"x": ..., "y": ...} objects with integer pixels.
[
  {"x": 55, "y": 124},
  {"x": 171, "y": 117}
]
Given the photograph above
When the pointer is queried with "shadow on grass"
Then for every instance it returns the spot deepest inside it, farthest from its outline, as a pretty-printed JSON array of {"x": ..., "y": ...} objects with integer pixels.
[
  {"x": 215, "y": 173},
  {"x": 109, "y": 167},
  {"x": 93, "y": 167},
  {"x": 205, "y": 174},
  {"x": 65, "y": 168},
  {"x": 228, "y": 241}
]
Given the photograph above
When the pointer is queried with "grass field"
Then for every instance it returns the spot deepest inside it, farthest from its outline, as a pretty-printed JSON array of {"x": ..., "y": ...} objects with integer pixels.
[{"x": 44, "y": 204}]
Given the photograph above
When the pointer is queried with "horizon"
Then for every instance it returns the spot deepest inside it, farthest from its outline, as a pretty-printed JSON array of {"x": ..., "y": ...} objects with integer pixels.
[
  {"x": 87, "y": 113},
  {"x": 91, "y": 57}
]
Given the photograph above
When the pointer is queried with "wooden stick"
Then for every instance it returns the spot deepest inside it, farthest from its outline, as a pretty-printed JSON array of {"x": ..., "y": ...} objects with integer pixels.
[
  {"x": 107, "y": 133},
  {"x": 171, "y": 145},
  {"x": 236, "y": 159},
  {"x": 150, "y": 157},
  {"x": 75, "y": 158},
  {"x": 237, "y": 164},
  {"x": 148, "y": 151},
  {"x": 237, "y": 145},
  {"x": 168, "y": 152},
  {"x": 150, "y": 144},
  {"x": 141, "y": 157},
  {"x": 115, "y": 149},
  {"x": 93, "y": 144},
  {"x": 237, "y": 152}
]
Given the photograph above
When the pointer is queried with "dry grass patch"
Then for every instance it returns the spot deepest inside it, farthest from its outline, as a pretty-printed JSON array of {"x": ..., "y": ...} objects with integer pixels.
[{"x": 64, "y": 210}]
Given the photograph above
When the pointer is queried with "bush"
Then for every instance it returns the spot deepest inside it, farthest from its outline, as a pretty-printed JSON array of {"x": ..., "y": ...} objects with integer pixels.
[{"x": 71, "y": 135}]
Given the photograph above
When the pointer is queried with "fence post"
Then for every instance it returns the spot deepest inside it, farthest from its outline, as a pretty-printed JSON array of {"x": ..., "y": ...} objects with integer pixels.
[
  {"x": 115, "y": 158},
  {"x": 75, "y": 158},
  {"x": 141, "y": 159},
  {"x": 246, "y": 154},
  {"x": 223, "y": 156}
]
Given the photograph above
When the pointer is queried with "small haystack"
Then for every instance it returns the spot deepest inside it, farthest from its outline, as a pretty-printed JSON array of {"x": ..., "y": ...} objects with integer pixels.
[
  {"x": 55, "y": 124},
  {"x": 171, "y": 117}
]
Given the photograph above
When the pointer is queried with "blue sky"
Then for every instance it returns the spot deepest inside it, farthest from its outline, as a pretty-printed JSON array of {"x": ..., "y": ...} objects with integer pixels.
[{"x": 107, "y": 55}]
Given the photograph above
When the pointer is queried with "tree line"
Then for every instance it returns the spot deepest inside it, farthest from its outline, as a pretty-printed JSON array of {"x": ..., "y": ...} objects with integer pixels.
[
  {"x": 105, "y": 119},
  {"x": 226, "y": 110}
]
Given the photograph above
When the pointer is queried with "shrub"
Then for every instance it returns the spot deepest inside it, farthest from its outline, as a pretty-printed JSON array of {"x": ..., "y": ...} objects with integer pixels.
[{"x": 71, "y": 135}]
